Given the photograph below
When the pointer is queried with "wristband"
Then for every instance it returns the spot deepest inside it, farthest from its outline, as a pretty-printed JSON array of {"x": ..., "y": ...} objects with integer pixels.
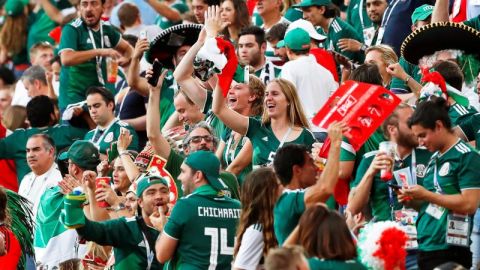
[{"x": 407, "y": 79}]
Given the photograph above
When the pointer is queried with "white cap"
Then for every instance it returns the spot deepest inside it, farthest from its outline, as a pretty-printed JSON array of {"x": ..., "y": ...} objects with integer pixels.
[{"x": 307, "y": 26}]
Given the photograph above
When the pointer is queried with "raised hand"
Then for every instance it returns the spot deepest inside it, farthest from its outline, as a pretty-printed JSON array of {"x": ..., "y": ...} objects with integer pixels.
[{"x": 213, "y": 23}]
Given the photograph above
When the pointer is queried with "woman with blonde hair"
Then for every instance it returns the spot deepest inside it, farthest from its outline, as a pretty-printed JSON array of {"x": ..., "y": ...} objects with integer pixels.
[
  {"x": 234, "y": 149},
  {"x": 283, "y": 121},
  {"x": 382, "y": 56},
  {"x": 255, "y": 235}
]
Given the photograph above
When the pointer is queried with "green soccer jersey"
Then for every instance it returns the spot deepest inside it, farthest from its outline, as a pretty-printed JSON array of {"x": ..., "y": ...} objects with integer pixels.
[
  {"x": 287, "y": 212},
  {"x": 381, "y": 200},
  {"x": 165, "y": 23},
  {"x": 103, "y": 139},
  {"x": 13, "y": 146},
  {"x": 204, "y": 224},
  {"x": 174, "y": 162},
  {"x": 293, "y": 14},
  {"x": 166, "y": 98},
  {"x": 399, "y": 86},
  {"x": 459, "y": 113},
  {"x": 265, "y": 143},
  {"x": 129, "y": 252},
  {"x": 269, "y": 71},
  {"x": 471, "y": 128},
  {"x": 74, "y": 80},
  {"x": 337, "y": 30},
  {"x": 357, "y": 16},
  {"x": 456, "y": 170},
  {"x": 321, "y": 264},
  {"x": 231, "y": 151},
  {"x": 473, "y": 22},
  {"x": 214, "y": 122}
]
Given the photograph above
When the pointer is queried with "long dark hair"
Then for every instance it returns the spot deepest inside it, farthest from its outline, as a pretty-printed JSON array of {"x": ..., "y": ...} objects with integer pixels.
[
  {"x": 242, "y": 17},
  {"x": 259, "y": 195},
  {"x": 324, "y": 234}
]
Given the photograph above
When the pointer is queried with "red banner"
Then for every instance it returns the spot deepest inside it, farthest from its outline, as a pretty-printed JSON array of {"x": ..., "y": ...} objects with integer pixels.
[{"x": 157, "y": 167}]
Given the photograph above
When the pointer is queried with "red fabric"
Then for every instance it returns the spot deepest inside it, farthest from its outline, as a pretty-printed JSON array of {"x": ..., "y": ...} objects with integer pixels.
[
  {"x": 340, "y": 193},
  {"x": 225, "y": 78},
  {"x": 251, "y": 6},
  {"x": 326, "y": 60},
  {"x": 55, "y": 34},
  {"x": 434, "y": 77},
  {"x": 7, "y": 167},
  {"x": 392, "y": 249},
  {"x": 462, "y": 13},
  {"x": 11, "y": 259}
]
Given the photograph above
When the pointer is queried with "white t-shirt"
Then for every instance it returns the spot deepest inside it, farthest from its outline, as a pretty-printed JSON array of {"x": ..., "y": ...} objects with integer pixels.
[
  {"x": 21, "y": 98},
  {"x": 32, "y": 187},
  {"x": 314, "y": 84},
  {"x": 251, "y": 248}
]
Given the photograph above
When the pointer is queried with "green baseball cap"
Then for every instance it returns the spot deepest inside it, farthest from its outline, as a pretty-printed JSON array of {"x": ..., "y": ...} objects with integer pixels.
[
  {"x": 309, "y": 3},
  {"x": 280, "y": 44},
  {"x": 148, "y": 181},
  {"x": 297, "y": 39},
  {"x": 82, "y": 153},
  {"x": 14, "y": 7},
  {"x": 209, "y": 165},
  {"x": 421, "y": 13}
]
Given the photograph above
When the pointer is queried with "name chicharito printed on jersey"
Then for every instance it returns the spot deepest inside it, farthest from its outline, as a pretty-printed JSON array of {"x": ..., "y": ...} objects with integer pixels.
[{"x": 218, "y": 212}]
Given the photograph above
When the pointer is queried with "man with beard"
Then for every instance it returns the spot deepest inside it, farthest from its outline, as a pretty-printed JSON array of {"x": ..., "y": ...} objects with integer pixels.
[
  {"x": 368, "y": 188},
  {"x": 132, "y": 239},
  {"x": 375, "y": 11},
  {"x": 85, "y": 45}
]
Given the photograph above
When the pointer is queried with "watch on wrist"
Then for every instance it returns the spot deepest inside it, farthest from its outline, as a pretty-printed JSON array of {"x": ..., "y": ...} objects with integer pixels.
[
  {"x": 364, "y": 47},
  {"x": 119, "y": 207}
]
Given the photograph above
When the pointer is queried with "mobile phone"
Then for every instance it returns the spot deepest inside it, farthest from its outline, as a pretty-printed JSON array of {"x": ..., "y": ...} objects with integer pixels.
[
  {"x": 157, "y": 70},
  {"x": 143, "y": 34},
  {"x": 395, "y": 187}
]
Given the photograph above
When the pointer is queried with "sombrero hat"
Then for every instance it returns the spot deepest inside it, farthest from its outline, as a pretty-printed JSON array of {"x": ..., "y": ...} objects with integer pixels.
[
  {"x": 169, "y": 40},
  {"x": 440, "y": 36}
]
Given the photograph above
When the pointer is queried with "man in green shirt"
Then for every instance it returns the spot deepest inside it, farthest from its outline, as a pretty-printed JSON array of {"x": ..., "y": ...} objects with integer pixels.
[
  {"x": 450, "y": 192},
  {"x": 200, "y": 232},
  {"x": 133, "y": 239},
  {"x": 298, "y": 173},
  {"x": 101, "y": 104},
  {"x": 320, "y": 13},
  {"x": 40, "y": 114},
  {"x": 85, "y": 45},
  {"x": 199, "y": 137}
]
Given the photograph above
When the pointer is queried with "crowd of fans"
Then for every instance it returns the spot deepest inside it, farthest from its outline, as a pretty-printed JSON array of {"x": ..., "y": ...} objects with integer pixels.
[{"x": 183, "y": 134}]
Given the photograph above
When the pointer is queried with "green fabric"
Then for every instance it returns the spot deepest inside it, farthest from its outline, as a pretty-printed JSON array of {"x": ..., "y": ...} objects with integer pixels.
[
  {"x": 287, "y": 212},
  {"x": 473, "y": 22},
  {"x": 309, "y": 3},
  {"x": 293, "y": 14},
  {"x": 471, "y": 128},
  {"x": 459, "y": 113},
  {"x": 321, "y": 264},
  {"x": 147, "y": 181},
  {"x": 457, "y": 169},
  {"x": 83, "y": 153},
  {"x": 13, "y": 7},
  {"x": 208, "y": 164},
  {"x": 227, "y": 157},
  {"x": 41, "y": 24},
  {"x": 399, "y": 86},
  {"x": 276, "y": 69},
  {"x": 174, "y": 162},
  {"x": 130, "y": 252},
  {"x": 265, "y": 143},
  {"x": 112, "y": 135},
  {"x": 297, "y": 39},
  {"x": 353, "y": 16},
  {"x": 21, "y": 57},
  {"x": 256, "y": 18},
  {"x": 74, "y": 80},
  {"x": 13, "y": 146},
  {"x": 214, "y": 122},
  {"x": 379, "y": 199},
  {"x": 72, "y": 216},
  {"x": 337, "y": 30},
  {"x": 166, "y": 98},
  {"x": 421, "y": 13},
  {"x": 164, "y": 23},
  {"x": 49, "y": 209},
  {"x": 203, "y": 223}
]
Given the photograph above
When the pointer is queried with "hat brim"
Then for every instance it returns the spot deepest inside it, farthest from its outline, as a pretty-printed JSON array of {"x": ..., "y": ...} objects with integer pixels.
[
  {"x": 280, "y": 44},
  {"x": 63, "y": 156},
  {"x": 303, "y": 5},
  {"x": 440, "y": 36},
  {"x": 164, "y": 46}
]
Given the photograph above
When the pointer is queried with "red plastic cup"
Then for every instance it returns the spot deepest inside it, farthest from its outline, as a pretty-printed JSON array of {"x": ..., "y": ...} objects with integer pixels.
[
  {"x": 388, "y": 148},
  {"x": 99, "y": 183}
]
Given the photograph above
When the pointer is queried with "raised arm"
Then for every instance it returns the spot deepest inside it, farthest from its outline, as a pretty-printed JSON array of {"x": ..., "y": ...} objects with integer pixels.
[
  {"x": 134, "y": 80},
  {"x": 325, "y": 185},
  {"x": 165, "y": 10},
  {"x": 183, "y": 74},
  {"x": 440, "y": 11},
  {"x": 72, "y": 58},
  {"x": 242, "y": 160},
  {"x": 126, "y": 52},
  {"x": 158, "y": 142},
  {"x": 52, "y": 12}
]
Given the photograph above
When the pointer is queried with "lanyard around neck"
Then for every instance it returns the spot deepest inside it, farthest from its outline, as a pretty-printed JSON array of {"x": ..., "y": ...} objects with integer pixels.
[
  {"x": 386, "y": 17},
  {"x": 98, "y": 58}
]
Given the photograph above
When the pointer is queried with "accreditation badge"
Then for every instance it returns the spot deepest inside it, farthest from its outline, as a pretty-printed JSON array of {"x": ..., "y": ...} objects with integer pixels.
[
  {"x": 458, "y": 229},
  {"x": 407, "y": 218},
  {"x": 368, "y": 34}
]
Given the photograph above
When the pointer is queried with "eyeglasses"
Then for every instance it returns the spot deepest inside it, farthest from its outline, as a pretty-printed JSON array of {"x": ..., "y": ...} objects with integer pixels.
[{"x": 198, "y": 139}]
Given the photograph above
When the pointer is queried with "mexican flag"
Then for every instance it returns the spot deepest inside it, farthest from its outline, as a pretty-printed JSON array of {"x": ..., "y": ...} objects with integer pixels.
[{"x": 53, "y": 242}]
